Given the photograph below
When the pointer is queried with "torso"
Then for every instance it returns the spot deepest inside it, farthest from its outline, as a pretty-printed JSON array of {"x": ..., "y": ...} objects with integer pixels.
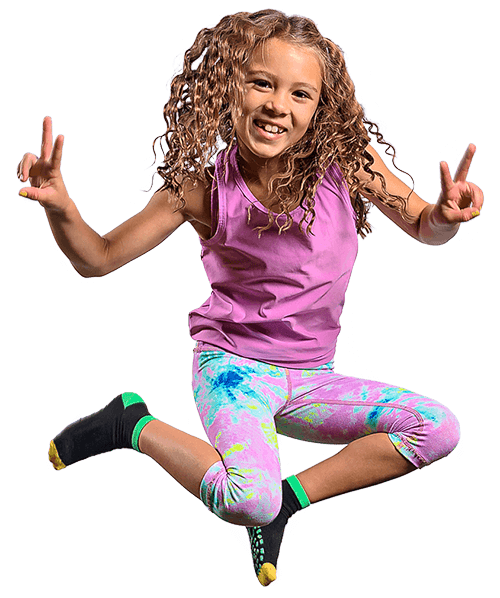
[
  {"x": 269, "y": 203},
  {"x": 198, "y": 207}
]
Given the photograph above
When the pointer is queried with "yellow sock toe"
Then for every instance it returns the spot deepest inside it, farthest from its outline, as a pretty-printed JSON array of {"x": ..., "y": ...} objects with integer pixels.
[
  {"x": 54, "y": 457},
  {"x": 267, "y": 574}
]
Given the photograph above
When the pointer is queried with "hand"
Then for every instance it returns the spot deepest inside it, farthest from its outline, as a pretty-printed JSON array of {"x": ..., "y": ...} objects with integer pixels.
[
  {"x": 460, "y": 201},
  {"x": 47, "y": 186}
]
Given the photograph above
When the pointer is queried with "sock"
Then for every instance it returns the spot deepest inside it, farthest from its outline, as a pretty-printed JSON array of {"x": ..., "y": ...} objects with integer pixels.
[
  {"x": 118, "y": 425},
  {"x": 266, "y": 541}
]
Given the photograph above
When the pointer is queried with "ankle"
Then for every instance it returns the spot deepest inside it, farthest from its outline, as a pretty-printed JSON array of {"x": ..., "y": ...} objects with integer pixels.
[{"x": 299, "y": 494}]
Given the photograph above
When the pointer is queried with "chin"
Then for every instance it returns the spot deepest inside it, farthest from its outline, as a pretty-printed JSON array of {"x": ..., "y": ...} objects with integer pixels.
[
  {"x": 261, "y": 149},
  {"x": 264, "y": 151}
]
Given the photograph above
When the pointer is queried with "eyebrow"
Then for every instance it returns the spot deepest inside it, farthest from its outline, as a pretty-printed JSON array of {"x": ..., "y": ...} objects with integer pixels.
[{"x": 267, "y": 74}]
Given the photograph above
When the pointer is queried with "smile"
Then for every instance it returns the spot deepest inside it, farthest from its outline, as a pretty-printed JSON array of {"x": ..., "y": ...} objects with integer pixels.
[{"x": 269, "y": 128}]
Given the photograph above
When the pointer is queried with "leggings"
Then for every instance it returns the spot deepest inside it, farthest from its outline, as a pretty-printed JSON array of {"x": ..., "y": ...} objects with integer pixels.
[{"x": 243, "y": 403}]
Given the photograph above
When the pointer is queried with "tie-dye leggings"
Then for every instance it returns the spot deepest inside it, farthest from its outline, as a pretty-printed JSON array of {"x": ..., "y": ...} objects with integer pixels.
[{"x": 243, "y": 403}]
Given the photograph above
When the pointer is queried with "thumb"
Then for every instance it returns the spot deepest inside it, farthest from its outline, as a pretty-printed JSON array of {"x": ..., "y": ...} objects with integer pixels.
[
  {"x": 43, "y": 195},
  {"x": 31, "y": 193},
  {"x": 48, "y": 197}
]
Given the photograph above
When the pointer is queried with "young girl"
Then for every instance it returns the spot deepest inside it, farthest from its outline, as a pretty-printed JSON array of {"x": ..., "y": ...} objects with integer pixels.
[{"x": 278, "y": 215}]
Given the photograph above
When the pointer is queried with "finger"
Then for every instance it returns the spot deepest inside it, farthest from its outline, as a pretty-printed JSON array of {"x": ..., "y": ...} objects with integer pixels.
[
  {"x": 25, "y": 166},
  {"x": 477, "y": 199},
  {"x": 463, "y": 167},
  {"x": 46, "y": 139},
  {"x": 57, "y": 152},
  {"x": 446, "y": 181},
  {"x": 469, "y": 214}
]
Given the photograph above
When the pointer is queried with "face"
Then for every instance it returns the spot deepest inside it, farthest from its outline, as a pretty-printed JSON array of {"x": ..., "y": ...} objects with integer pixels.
[{"x": 282, "y": 91}]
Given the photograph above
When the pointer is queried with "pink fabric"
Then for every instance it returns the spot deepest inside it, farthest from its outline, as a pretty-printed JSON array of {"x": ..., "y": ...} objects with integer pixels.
[
  {"x": 277, "y": 299},
  {"x": 243, "y": 403}
]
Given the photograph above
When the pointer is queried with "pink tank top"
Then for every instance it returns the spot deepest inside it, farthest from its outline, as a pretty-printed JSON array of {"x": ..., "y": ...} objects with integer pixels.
[{"x": 277, "y": 299}]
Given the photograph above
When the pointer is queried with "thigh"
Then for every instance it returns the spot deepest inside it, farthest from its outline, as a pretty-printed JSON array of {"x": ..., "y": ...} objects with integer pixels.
[
  {"x": 327, "y": 407},
  {"x": 237, "y": 399}
]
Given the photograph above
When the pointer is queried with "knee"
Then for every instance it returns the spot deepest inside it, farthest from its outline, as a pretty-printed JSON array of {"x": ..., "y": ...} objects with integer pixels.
[
  {"x": 430, "y": 434},
  {"x": 240, "y": 500},
  {"x": 251, "y": 507},
  {"x": 250, "y": 514},
  {"x": 450, "y": 434},
  {"x": 443, "y": 435}
]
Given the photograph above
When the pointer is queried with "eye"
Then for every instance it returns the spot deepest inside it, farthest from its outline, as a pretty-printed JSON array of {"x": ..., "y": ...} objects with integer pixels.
[
  {"x": 262, "y": 83},
  {"x": 302, "y": 95}
]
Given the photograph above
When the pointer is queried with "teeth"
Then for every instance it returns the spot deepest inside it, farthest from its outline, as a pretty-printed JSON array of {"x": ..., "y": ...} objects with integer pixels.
[{"x": 271, "y": 128}]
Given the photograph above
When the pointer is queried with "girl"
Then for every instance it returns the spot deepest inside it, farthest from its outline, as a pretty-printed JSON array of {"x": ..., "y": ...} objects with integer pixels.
[{"x": 278, "y": 215}]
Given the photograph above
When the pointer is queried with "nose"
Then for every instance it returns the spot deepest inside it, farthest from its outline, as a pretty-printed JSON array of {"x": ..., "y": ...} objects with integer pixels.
[{"x": 277, "y": 103}]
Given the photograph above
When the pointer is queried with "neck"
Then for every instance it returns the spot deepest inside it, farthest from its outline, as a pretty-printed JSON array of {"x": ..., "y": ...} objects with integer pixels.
[{"x": 257, "y": 172}]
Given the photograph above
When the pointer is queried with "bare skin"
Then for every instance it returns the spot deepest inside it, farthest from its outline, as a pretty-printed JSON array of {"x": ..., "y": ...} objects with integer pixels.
[
  {"x": 282, "y": 91},
  {"x": 365, "y": 462},
  {"x": 362, "y": 463},
  {"x": 185, "y": 457}
]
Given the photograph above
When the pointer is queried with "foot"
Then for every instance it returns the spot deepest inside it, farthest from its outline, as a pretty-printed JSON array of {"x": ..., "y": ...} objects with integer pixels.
[
  {"x": 265, "y": 541},
  {"x": 264, "y": 561},
  {"x": 118, "y": 425}
]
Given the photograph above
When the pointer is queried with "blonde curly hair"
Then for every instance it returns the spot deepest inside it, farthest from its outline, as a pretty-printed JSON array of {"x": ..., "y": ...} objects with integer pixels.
[{"x": 209, "y": 92}]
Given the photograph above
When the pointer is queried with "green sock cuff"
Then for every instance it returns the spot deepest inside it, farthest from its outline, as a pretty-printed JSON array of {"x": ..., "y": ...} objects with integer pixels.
[
  {"x": 138, "y": 429},
  {"x": 300, "y": 493}
]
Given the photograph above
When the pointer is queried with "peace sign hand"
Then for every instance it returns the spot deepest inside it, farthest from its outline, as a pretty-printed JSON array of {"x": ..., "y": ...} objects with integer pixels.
[
  {"x": 460, "y": 201},
  {"x": 44, "y": 173}
]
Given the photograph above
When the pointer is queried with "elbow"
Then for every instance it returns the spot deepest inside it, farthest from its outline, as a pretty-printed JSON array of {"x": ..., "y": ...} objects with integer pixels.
[
  {"x": 99, "y": 266},
  {"x": 89, "y": 272},
  {"x": 94, "y": 272},
  {"x": 99, "y": 271}
]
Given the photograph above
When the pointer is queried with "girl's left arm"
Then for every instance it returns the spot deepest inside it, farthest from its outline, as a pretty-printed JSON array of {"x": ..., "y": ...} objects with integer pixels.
[{"x": 435, "y": 224}]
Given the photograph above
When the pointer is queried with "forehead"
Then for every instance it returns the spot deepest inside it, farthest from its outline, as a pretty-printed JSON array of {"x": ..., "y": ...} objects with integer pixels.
[{"x": 295, "y": 62}]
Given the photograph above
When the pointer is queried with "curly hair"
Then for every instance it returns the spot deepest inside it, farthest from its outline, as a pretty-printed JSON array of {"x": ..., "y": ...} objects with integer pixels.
[{"x": 206, "y": 98}]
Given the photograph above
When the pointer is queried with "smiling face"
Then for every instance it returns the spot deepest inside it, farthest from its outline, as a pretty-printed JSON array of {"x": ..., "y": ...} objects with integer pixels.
[{"x": 282, "y": 91}]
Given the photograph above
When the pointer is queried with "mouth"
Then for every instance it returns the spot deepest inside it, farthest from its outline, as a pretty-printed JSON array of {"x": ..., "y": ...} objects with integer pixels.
[{"x": 269, "y": 129}]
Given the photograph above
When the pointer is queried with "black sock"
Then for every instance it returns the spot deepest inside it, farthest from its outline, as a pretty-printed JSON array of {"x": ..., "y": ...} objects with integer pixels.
[
  {"x": 118, "y": 425},
  {"x": 266, "y": 541}
]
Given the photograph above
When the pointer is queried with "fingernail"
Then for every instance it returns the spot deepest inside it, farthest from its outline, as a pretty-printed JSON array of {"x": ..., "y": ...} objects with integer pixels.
[
  {"x": 475, "y": 213},
  {"x": 23, "y": 193}
]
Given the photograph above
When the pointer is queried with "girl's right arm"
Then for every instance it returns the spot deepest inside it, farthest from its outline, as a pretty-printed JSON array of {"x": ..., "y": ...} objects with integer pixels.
[{"x": 91, "y": 254}]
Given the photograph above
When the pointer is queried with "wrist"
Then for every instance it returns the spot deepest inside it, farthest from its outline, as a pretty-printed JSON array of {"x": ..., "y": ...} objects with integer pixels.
[
  {"x": 66, "y": 211},
  {"x": 434, "y": 229},
  {"x": 438, "y": 222}
]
